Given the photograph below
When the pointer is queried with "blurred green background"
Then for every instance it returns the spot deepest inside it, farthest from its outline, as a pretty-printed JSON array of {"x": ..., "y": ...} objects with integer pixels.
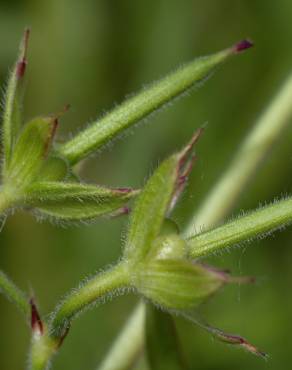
[{"x": 93, "y": 53}]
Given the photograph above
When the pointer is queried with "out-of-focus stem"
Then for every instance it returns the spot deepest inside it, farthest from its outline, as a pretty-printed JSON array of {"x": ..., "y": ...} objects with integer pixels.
[
  {"x": 251, "y": 154},
  {"x": 93, "y": 290},
  {"x": 14, "y": 294},
  {"x": 129, "y": 343}
]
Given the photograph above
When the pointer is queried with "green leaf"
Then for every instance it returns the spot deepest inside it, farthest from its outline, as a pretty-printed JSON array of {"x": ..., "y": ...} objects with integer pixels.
[
  {"x": 141, "y": 105},
  {"x": 162, "y": 344},
  {"x": 155, "y": 202},
  {"x": 30, "y": 152},
  {"x": 177, "y": 284},
  {"x": 73, "y": 201},
  {"x": 13, "y": 102}
]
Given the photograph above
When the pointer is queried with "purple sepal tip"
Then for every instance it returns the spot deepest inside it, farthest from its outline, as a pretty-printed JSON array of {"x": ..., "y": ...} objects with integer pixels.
[{"x": 243, "y": 45}]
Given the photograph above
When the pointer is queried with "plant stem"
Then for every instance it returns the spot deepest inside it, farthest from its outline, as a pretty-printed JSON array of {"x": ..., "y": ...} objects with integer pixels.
[
  {"x": 129, "y": 343},
  {"x": 250, "y": 156},
  {"x": 255, "y": 224},
  {"x": 45, "y": 345},
  {"x": 14, "y": 294},
  {"x": 43, "y": 348},
  {"x": 93, "y": 290}
]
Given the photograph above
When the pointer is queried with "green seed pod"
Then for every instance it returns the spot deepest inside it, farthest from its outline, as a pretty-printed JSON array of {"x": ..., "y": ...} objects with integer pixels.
[
  {"x": 54, "y": 169},
  {"x": 168, "y": 244},
  {"x": 177, "y": 284}
]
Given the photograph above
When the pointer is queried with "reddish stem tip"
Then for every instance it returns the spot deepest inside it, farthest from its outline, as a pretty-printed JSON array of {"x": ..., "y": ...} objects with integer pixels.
[
  {"x": 64, "y": 110},
  {"x": 25, "y": 40},
  {"x": 242, "y": 45},
  {"x": 36, "y": 322},
  {"x": 124, "y": 190},
  {"x": 125, "y": 210},
  {"x": 21, "y": 65}
]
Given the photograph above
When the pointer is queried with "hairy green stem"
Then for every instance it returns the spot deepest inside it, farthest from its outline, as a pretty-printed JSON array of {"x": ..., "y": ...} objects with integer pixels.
[
  {"x": 45, "y": 345},
  {"x": 141, "y": 105},
  {"x": 43, "y": 348},
  {"x": 244, "y": 228},
  {"x": 129, "y": 343},
  {"x": 245, "y": 163},
  {"x": 90, "y": 292},
  {"x": 14, "y": 294}
]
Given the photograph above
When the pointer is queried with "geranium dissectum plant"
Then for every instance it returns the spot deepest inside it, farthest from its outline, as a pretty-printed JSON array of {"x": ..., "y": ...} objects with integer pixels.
[{"x": 159, "y": 262}]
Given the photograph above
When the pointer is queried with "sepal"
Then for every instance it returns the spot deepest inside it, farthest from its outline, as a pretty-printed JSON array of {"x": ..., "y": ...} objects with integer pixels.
[
  {"x": 75, "y": 202},
  {"x": 12, "y": 115},
  {"x": 232, "y": 339},
  {"x": 30, "y": 152},
  {"x": 156, "y": 201}
]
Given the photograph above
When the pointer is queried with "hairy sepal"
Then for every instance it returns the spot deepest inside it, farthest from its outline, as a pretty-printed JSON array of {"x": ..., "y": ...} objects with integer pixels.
[
  {"x": 13, "y": 102},
  {"x": 156, "y": 201},
  {"x": 30, "y": 152},
  {"x": 232, "y": 339},
  {"x": 150, "y": 209},
  {"x": 75, "y": 202}
]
